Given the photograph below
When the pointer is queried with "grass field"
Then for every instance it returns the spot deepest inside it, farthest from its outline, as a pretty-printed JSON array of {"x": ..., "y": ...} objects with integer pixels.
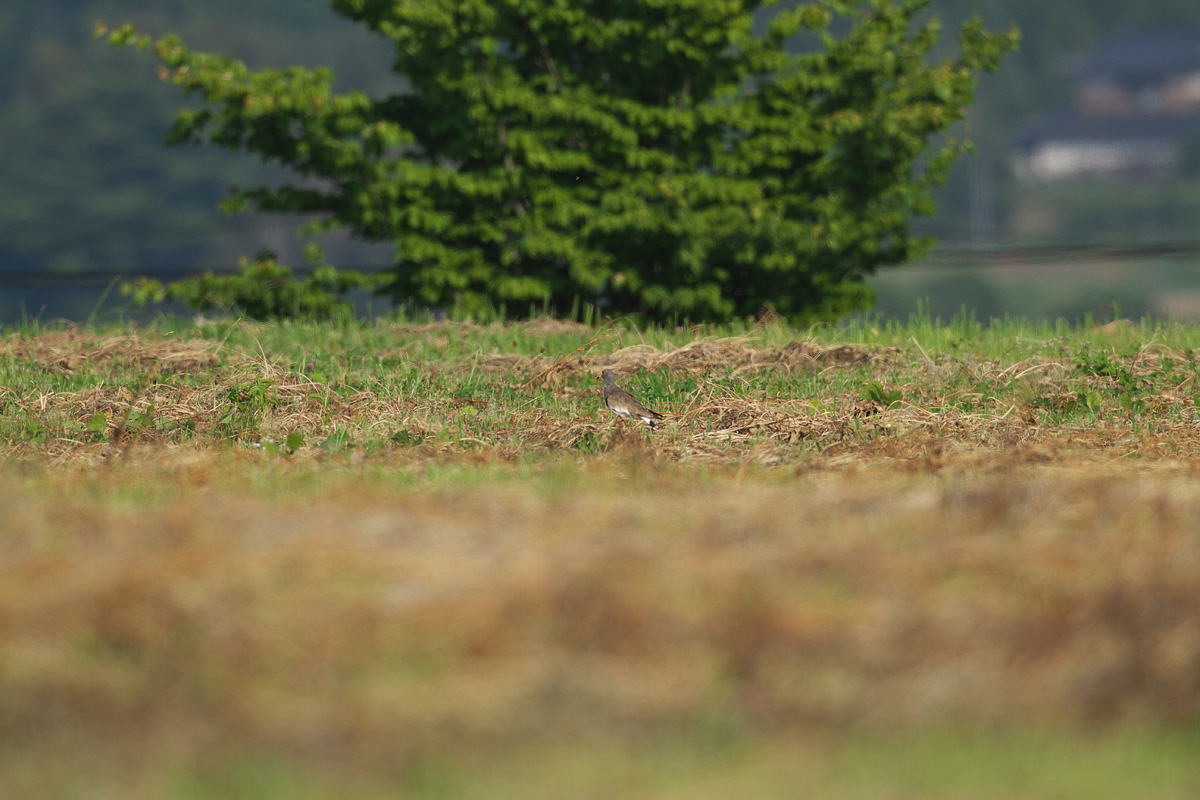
[{"x": 418, "y": 560}]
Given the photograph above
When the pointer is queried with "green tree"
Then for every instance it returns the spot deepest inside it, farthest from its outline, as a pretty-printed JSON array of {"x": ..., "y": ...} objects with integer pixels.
[{"x": 655, "y": 157}]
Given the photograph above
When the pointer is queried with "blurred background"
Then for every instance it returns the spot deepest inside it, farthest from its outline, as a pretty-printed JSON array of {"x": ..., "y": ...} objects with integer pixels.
[{"x": 1083, "y": 198}]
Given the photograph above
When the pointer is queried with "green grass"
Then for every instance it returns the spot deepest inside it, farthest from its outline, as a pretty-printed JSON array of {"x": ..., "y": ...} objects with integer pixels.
[
  {"x": 330, "y": 341},
  {"x": 998, "y": 765},
  {"x": 418, "y": 559},
  {"x": 482, "y": 385}
]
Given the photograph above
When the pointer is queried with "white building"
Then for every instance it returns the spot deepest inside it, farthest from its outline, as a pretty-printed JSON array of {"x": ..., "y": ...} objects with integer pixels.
[{"x": 1136, "y": 107}]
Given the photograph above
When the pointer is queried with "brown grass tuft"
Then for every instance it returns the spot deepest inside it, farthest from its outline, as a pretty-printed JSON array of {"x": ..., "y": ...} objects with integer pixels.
[
  {"x": 368, "y": 623},
  {"x": 697, "y": 358},
  {"x": 68, "y": 350}
]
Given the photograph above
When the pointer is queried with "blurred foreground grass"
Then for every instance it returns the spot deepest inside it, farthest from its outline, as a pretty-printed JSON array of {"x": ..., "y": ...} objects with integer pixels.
[
  {"x": 935, "y": 561},
  {"x": 177, "y": 625}
]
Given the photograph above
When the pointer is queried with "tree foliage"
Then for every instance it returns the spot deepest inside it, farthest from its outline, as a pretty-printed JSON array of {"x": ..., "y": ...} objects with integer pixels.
[
  {"x": 656, "y": 157},
  {"x": 261, "y": 289}
]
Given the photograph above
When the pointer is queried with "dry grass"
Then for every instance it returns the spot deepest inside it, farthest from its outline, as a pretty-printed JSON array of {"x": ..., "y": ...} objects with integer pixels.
[
  {"x": 790, "y": 564},
  {"x": 368, "y": 626},
  {"x": 730, "y": 400}
]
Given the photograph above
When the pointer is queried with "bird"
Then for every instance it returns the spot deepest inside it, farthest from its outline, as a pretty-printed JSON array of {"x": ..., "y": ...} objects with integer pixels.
[{"x": 623, "y": 404}]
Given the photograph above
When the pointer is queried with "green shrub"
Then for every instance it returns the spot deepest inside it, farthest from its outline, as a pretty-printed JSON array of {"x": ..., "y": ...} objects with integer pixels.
[{"x": 262, "y": 289}]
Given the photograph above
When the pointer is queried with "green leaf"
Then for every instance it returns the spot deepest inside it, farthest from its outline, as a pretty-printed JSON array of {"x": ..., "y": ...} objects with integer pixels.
[
  {"x": 875, "y": 392},
  {"x": 1094, "y": 401},
  {"x": 336, "y": 442},
  {"x": 405, "y": 438}
]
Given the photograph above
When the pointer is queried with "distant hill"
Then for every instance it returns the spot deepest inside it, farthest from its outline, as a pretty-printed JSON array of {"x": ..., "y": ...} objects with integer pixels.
[{"x": 89, "y": 183}]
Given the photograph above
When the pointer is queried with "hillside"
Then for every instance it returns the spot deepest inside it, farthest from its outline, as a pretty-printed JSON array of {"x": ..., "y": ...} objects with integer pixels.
[{"x": 83, "y": 128}]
